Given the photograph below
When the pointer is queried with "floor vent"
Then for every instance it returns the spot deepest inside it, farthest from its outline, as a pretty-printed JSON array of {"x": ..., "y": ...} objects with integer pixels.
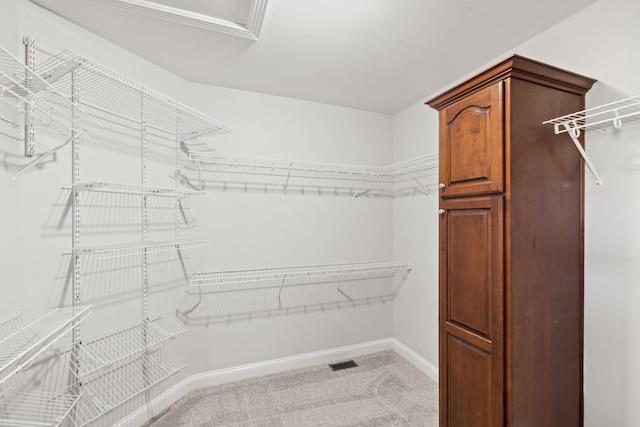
[{"x": 343, "y": 365}]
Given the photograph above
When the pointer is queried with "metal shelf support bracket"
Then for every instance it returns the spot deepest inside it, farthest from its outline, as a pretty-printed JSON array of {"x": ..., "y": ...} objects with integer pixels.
[{"x": 574, "y": 133}]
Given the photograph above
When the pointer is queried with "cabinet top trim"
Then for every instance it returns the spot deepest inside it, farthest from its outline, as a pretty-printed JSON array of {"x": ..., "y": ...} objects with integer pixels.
[{"x": 516, "y": 67}]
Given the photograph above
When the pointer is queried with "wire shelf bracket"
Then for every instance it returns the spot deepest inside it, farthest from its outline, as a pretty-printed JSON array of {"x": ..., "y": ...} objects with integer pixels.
[{"x": 612, "y": 115}]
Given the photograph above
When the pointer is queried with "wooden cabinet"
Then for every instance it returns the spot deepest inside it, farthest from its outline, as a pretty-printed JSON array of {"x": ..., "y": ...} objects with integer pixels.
[{"x": 511, "y": 249}]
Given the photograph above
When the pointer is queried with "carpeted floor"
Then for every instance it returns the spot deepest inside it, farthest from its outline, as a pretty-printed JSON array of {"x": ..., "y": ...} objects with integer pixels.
[{"x": 384, "y": 390}]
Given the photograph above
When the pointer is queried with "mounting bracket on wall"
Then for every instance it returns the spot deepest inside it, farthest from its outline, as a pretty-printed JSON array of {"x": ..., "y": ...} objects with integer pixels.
[
  {"x": 602, "y": 118},
  {"x": 574, "y": 133}
]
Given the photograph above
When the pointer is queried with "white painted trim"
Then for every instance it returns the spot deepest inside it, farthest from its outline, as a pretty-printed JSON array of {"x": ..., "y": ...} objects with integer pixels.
[
  {"x": 416, "y": 360},
  {"x": 251, "y": 31}
]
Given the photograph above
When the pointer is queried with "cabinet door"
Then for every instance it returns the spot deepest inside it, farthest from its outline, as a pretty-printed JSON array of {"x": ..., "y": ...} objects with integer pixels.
[
  {"x": 471, "y": 299},
  {"x": 472, "y": 144}
]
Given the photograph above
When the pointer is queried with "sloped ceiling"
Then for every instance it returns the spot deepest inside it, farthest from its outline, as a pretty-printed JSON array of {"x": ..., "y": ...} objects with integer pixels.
[{"x": 376, "y": 55}]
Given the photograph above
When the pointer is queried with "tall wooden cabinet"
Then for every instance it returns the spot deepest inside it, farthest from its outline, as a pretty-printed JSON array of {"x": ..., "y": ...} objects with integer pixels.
[{"x": 511, "y": 249}]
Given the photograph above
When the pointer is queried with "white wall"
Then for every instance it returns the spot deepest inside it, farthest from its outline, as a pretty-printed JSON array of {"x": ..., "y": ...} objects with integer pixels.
[
  {"x": 600, "y": 42},
  {"x": 245, "y": 230},
  {"x": 415, "y": 238}
]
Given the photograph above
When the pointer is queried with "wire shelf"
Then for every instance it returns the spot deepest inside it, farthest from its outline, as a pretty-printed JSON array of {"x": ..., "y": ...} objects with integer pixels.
[
  {"x": 284, "y": 287},
  {"x": 21, "y": 343},
  {"x": 117, "y": 251},
  {"x": 104, "y": 393},
  {"x": 44, "y": 394},
  {"x": 36, "y": 408},
  {"x": 113, "y": 348},
  {"x": 388, "y": 181},
  {"x": 117, "y": 99},
  {"x": 110, "y": 187},
  {"x": 28, "y": 91},
  {"x": 612, "y": 115}
]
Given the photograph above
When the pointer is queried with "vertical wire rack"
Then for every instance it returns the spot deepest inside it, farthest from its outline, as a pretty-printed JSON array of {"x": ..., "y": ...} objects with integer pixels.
[{"x": 113, "y": 368}]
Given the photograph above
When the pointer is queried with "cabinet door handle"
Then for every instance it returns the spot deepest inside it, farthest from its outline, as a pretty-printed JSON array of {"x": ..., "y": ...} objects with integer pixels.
[
  {"x": 441, "y": 186},
  {"x": 441, "y": 212}
]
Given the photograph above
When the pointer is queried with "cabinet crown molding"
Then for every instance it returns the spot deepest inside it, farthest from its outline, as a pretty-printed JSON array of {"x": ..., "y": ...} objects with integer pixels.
[{"x": 519, "y": 67}]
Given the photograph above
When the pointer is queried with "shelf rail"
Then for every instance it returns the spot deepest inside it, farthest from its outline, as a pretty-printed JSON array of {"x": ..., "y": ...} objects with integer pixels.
[
  {"x": 601, "y": 118},
  {"x": 133, "y": 249},
  {"x": 111, "y": 187},
  {"x": 273, "y": 282},
  {"x": 388, "y": 180}
]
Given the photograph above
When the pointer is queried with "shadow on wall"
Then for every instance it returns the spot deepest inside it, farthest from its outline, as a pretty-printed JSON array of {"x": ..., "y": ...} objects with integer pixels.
[{"x": 116, "y": 214}]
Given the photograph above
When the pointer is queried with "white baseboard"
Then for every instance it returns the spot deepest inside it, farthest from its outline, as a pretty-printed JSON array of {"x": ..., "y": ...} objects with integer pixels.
[
  {"x": 222, "y": 376},
  {"x": 416, "y": 360}
]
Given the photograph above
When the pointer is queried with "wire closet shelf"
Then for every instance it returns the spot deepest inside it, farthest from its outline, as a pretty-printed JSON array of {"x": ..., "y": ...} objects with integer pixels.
[
  {"x": 113, "y": 349},
  {"x": 134, "y": 249},
  {"x": 34, "y": 100},
  {"x": 113, "y": 98},
  {"x": 612, "y": 115},
  {"x": 21, "y": 343},
  {"x": 103, "y": 393},
  {"x": 112, "y": 187},
  {"x": 391, "y": 181},
  {"x": 38, "y": 384},
  {"x": 326, "y": 284}
]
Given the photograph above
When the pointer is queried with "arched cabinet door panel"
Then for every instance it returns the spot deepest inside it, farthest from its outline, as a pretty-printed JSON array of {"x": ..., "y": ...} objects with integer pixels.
[{"x": 471, "y": 144}]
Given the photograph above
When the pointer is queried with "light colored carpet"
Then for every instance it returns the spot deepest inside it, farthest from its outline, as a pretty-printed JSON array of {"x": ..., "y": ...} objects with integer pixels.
[{"x": 384, "y": 390}]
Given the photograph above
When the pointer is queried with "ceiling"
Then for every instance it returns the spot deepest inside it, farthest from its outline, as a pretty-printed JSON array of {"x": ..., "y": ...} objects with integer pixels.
[{"x": 376, "y": 55}]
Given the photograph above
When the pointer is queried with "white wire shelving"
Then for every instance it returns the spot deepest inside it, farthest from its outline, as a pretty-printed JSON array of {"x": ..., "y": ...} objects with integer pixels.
[
  {"x": 597, "y": 119},
  {"x": 115, "y": 99},
  {"x": 110, "y": 350},
  {"x": 356, "y": 180},
  {"x": 34, "y": 408},
  {"x": 22, "y": 342},
  {"x": 133, "y": 249},
  {"x": 279, "y": 288},
  {"x": 45, "y": 395},
  {"x": 111, "y": 187},
  {"x": 103, "y": 393},
  {"x": 34, "y": 97},
  {"x": 37, "y": 383}
]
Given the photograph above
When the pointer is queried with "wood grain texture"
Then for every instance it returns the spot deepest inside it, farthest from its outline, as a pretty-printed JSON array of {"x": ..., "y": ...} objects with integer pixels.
[
  {"x": 528, "y": 317},
  {"x": 471, "y": 311},
  {"x": 471, "y": 148}
]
